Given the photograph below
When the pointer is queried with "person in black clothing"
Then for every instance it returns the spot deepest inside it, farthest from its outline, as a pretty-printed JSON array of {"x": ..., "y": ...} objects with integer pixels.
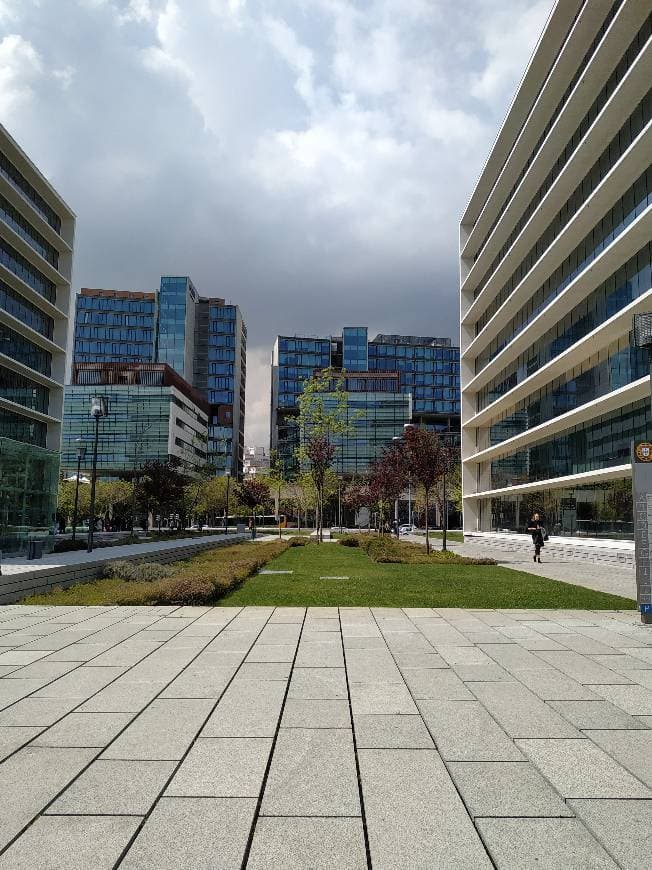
[{"x": 535, "y": 528}]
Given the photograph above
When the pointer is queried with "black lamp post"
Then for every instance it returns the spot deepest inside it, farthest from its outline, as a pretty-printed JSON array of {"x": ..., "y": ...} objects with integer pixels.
[
  {"x": 99, "y": 408},
  {"x": 227, "y": 474},
  {"x": 81, "y": 453}
]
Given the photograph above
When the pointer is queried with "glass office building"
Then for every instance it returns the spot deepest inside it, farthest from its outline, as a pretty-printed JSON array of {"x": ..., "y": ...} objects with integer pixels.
[
  {"x": 115, "y": 326},
  {"x": 36, "y": 247},
  {"x": 154, "y": 416},
  {"x": 204, "y": 340},
  {"x": 422, "y": 369},
  {"x": 555, "y": 262}
]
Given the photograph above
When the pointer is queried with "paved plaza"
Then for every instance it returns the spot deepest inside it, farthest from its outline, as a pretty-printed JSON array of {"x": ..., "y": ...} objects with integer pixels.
[{"x": 196, "y": 737}]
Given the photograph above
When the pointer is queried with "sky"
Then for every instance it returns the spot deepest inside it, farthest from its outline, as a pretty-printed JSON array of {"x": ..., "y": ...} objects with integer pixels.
[{"x": 308, "y": 160}]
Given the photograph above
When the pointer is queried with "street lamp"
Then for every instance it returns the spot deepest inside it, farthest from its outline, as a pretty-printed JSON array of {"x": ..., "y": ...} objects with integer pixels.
[
  {"x": 227, "y": 474},
  {"x": 99, "y": 408},
  {"x": 397, "y": 439},
  {"x": 81, "y": 454}
]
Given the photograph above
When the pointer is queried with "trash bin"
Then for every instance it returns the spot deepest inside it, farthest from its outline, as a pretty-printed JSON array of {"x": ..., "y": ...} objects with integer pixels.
[
  {"x": 34, "y": 549},
  {"x": 240, "y": 529}
]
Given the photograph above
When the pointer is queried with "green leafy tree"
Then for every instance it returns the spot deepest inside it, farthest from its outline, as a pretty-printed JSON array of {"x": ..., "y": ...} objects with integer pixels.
[
  {"x": 163, "y": 488},
  {"x": 323, "y": 418},
  {"x": 254, "y": 494}
]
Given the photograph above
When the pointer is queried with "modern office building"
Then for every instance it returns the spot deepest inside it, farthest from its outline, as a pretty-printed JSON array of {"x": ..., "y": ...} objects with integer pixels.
[
  {"x": 154, "y": 415},
  {"x": 256, "y": 461},
  {"x": 204, "y": 340},
  {"x": 392, "y": 380},
  {"x": 36, "y": 247},
  {"x": 114, "y": 326},
  {"x": 555, "y": 261}
]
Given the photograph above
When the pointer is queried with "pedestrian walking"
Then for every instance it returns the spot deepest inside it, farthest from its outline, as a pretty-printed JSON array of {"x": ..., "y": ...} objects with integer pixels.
[{"x": 538, "y": 532}]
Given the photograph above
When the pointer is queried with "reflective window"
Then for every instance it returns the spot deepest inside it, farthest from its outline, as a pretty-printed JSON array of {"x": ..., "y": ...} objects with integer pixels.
[
  {"x": 16, "y": 263},
  {"x": 22, "y": 350},
  {"x": 9, "y": 171},
  {"x": 15, "y": 304}
]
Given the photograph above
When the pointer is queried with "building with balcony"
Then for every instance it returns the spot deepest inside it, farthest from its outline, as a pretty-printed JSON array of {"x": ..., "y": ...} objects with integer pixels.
[
  {"x": 256, "y": 461},
  {"x": 153, "y": 416},
  {"x": 37, "y": 231},
  {"x": 114, "y": 326},
  {"x": 391, "y": 380},
  {"x": 555, "y": 261}
]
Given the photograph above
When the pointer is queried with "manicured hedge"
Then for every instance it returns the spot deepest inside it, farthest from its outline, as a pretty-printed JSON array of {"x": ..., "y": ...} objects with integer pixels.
[{"x": 387, "y": 549}]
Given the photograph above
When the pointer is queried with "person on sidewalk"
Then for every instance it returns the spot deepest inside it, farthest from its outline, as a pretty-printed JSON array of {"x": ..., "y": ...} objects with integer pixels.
[{"x": 536, "y": 529}]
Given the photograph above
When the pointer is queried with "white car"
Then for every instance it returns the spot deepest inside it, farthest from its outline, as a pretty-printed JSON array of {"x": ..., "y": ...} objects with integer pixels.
[{"x": 407, "y": 530}]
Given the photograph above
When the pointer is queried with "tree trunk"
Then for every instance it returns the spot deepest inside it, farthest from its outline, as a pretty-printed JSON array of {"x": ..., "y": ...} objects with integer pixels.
[{"x": 427, "y": 500}]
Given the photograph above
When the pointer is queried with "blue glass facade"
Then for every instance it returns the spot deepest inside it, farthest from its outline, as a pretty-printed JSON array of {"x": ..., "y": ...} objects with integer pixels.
[
  {"x": 176, "y": 324},
  {"x": 424, "y": 369},
  {"x": 115, "y": 326}
]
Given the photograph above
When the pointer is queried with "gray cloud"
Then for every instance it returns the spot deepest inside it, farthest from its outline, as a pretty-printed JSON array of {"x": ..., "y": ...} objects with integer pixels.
[{"x": 307, "y": 159}]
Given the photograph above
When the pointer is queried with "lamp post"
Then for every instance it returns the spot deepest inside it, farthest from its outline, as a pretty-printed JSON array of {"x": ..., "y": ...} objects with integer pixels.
[
  {"x": 81, "y": 453},
  {"x": 227, "y": 474},
  {"x": 397, "y": 439},
  {"x": 99, "y": 408}
]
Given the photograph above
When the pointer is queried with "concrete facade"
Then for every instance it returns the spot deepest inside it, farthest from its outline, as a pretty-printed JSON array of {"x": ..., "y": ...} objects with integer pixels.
[{"x": 554, "y": 262}]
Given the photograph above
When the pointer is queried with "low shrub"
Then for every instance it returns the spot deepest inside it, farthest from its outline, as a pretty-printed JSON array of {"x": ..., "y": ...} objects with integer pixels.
[
  {"x": 385, "y": 549},
  {"x": 296, "y": 541},
  {"x": 138, "y": 572},
  {"x": 204, "y": 578},
  {"x": 68, "y": 546},
  {"x": 349, "y": 541}
]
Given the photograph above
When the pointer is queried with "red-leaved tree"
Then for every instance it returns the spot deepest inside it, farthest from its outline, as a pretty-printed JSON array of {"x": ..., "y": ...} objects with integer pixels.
[
  {"x": 387, "y": 479},
  {"x": 426, "y": 459},
  {"x": 254, "y": 494}
]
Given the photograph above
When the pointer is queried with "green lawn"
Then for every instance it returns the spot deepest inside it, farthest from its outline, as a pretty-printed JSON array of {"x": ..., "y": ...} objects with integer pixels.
[{"x": 396, "y": 585}]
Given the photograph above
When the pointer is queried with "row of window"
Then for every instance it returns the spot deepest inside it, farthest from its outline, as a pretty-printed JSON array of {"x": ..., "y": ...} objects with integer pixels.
[
  {"x": 602, "y": 166},
  {"x": 25, "y": 311},
  {"x": 223, "y": 312},
  {"x": 25, "y": 351},
  {"x": 23, "y": 391},
  {"x": 597, "y": 510},
  {"x": 114, "y": 349},
  {"x": 115, "y": 304},
  {"x": 112, "y": 318},
  {"x": 26, "y": 231},
  {"x": 9, "y": 171},
  {"x": 16, "y": 263},
  {"x": 633, "y": 203},
  {"x": 596, "y": 444},
  {"x": 626, "y": 284},
  {"x": 619, "y": 72},
  {"x": 220, "y": 397},
  {"x": 412, "y": 365},
  {"x": 418, "y": 351},
  {"x": 114, "y": 333},
  {"x": 318, "y": 346},
  {"x": 220, "y": 354},
  {"x": 611, "y": 369},
  {"x": 20, "y": 428}
]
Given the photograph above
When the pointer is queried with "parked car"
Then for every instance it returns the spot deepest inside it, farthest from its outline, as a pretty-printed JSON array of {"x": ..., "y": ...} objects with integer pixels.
[{"x": 407, "y": 530}]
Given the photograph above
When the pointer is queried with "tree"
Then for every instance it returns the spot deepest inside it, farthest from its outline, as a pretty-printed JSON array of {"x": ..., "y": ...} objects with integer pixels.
[
  {"x": 387, "y": 479},
  {"x": 111, "y": 498},
  {"x": 162, "y": 487},
  {"x": 66, "y": 501},
  {"x": 426, "y": 459},
  {"x": 254, "y": 494},
  {"x": 323, "y": 415},
  {"x": 276, "y": 479}
]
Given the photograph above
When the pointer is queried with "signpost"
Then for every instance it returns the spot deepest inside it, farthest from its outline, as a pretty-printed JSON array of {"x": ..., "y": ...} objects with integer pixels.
[{"x": 642, "y": 491}]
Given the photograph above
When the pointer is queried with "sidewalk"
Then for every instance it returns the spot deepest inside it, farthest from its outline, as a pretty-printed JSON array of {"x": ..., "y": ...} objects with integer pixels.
[{"x": 350, "y": 738}]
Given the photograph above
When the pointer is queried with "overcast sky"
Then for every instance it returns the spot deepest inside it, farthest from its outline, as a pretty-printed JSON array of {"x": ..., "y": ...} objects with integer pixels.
[{"x": 307, "y": 159}]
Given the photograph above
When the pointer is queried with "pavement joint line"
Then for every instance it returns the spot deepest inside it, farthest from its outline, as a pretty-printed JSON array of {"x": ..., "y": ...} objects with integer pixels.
[
  {"x": 155, "y": 803},
  {"x": 363, "y": 813},
  {"x": 72, "y": 670},
  {"x": 414, "y": 701},
  {"x": 270, "y": 757},
  {"x": 102, "y": 749}
]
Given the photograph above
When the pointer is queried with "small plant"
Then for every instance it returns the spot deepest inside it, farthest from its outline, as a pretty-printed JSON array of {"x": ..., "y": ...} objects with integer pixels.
[
  {"x": 297, "y": 541},
  {"x": 143, "y": 572},
  {"x": 349, "y": 541}
]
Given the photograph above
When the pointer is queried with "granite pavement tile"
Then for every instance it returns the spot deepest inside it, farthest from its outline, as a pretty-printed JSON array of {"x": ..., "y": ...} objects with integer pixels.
[
  {"x": 543, "y": 844},
  {"x": 464, "y": 731},
  {"x": 312, "y": 774},
  {"x": 623, "y": 827},
  {"x": 114, "y": 788},
  {"x": 84, "y": 729},
  {"x": 70, "y": 843},
  {"x": 308, "y": 844},
  {"x": 222, "y": 767},
  {"x": 580, "y": 769},
  {"x": 415, "y": 817},
  {"x": 197, "y": 833},
  {"x": 163, "y": 731},
  {"x": 391, "y": 732}
]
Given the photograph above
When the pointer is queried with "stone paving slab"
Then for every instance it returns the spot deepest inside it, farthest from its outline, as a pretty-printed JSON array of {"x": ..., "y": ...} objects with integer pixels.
[{"x": 163, "y": 737}]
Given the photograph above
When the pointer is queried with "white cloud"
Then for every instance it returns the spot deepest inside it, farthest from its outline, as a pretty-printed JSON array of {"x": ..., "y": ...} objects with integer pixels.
[
  {"x": 20, "y": 67},
  {"x": 308, "y": 160}
]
